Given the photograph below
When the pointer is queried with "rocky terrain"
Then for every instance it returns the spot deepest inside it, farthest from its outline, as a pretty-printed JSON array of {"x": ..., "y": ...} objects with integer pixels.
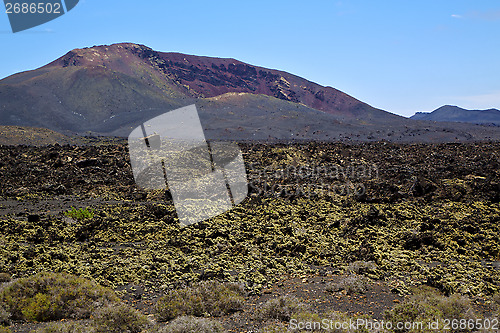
[
  {"x": 33, "y": 136},
  {"x": 398, "y": 215}
]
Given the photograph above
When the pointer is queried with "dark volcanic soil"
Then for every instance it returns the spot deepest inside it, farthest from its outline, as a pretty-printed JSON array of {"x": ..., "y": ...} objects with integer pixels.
[{"x": 423, "y": 214}]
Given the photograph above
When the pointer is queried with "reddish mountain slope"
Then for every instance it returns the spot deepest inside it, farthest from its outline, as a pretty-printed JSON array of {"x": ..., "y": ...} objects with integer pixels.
[
  {"x": 112, "y": 89},
  {"x": 205, "y": 77}
]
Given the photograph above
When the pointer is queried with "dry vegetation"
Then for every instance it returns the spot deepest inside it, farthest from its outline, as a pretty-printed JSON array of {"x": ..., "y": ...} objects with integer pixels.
[{"x": 429, "y": 216}]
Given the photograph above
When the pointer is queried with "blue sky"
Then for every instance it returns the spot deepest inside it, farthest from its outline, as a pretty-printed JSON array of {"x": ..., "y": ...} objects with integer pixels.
[{"x": 398, "y": 55}]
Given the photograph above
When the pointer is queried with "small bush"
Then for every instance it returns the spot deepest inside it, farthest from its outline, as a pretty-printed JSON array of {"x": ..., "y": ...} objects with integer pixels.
[
  {"x": 275, "y": 327},
  {"x": 54, "y": 296},
  {"x": 306, "y": 316},
  {"x": 281, "y": 308},
  {"x": 5, "y": 330},
  {"x": 4, "y": 277},
  {"x": 427, "y": 304},
  {"x": 456, "y": 306},
  {"x": 4, "y": 315},
  {"x": 119, "y": 318},
  {"x": 496, "y": 298},
  {"x": 362, "y": 267},
  {"x": 65, "y": 328},
  {"x": 204, "y": 298},
  {"x": 80, "y": 213},
  {"x": 412, "y": 312},
  {"x": 496, "y": 304},
  {"x": 311, "y": 319},
  {"x": 341, "y": 317},
  {"x": 193, "y": 325},
  {"x": 352, "y": 284},
  {"x": 313, "y": 322}
]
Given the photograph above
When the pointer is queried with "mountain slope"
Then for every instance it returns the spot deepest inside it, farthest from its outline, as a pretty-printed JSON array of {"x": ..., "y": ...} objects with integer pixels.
[
  {"x": 457, "y": 114},
  {"x": 109, "y": 89},
  {"x": 204, "y": 77},
  {"x": 15, "y": 135}
]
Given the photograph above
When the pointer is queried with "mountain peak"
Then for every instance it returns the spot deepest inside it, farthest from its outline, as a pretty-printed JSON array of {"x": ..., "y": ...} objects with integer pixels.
[
  {"x": 204, "y": 77},
  {"x": 110, "y": 89}
]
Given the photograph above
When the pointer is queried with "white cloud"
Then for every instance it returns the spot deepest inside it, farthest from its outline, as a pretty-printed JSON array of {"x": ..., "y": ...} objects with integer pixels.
[{"x": 456, "y": 16}]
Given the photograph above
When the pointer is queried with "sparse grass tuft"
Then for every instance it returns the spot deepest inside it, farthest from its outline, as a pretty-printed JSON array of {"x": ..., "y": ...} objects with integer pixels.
[
  {"x": 274, "y": 327},
  {"x": 281, "y": 308},
  {"x": 313, "y": 322},
  {"x": 53, "y": 296},
  {"x": 4, "y": 277},
  {"x": 204, "y": 298},
  {"x": 362, "y": 267},
  {"x": 80, "y": 213},
  {"x": 193, "y": 325},
  {"x": 119, "y": 318},
  {"x": 352, "y": 284},
  {"x": 4, "y": 315},
  {"x": 496, "y": 298},
  {"x": 341, "y": 317},
  {"x": 65, "y": 328},
  {"x": 306, "y": 316}
]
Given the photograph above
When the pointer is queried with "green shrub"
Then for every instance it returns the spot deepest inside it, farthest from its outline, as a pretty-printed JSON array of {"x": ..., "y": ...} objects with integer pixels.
[
  {"x": 119, "y": 318},
  {"x": 80, "y": 213},
  {"x": 281, "y": 308},
  {"x": 5, "y": 330},
  {"x": 53, "y": 296},
  {"x": 193, "y": 325},
  {"x": 352, "y": 284},
  {"x": 4, "y": 277},
  {"x": 204, "y": 298},
  {"x": 65, "y": 328}
]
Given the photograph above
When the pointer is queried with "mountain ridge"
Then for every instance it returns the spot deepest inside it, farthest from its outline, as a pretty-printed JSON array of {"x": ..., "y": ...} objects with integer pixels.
[
  {"x": 212, "y": 76},
  {"x": 453, "y": 113},
  {"x": 111, "y": 89}
]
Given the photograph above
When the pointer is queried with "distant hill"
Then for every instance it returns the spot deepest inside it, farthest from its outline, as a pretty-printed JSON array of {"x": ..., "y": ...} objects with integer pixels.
[
  {"x": 16, "y": 135},
  {"x": 456, "y": 114}
]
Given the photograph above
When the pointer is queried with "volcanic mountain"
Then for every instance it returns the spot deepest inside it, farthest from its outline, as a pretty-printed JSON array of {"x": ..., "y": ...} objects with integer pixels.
[
  {"x": 111, "y": 89},
  {"x": 457, "y": 114}
]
